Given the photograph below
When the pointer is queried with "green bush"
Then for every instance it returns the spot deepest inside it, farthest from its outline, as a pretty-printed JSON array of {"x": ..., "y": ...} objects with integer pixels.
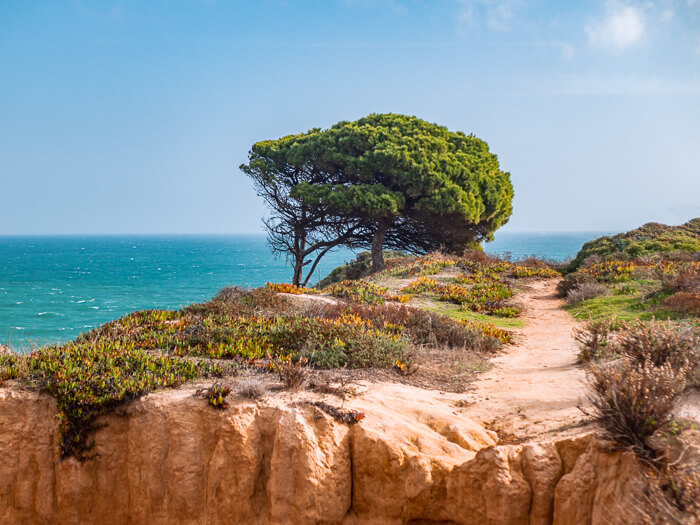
[{"x": 360, "y": 267}]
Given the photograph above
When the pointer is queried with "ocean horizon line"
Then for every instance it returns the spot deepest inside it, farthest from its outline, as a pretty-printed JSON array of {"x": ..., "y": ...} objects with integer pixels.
[{"x": 256, "y": 234}]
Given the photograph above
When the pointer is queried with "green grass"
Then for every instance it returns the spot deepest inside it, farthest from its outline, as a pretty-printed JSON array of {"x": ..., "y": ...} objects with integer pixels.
[
  {"x": 627, "y": 307},
  {"x": 459, "y": 314}
]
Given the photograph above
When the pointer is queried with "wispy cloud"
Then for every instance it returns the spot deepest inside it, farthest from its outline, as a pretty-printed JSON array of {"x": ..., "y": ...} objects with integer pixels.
[
  {"x": 566, "y": 50},
  {"x": 667, "y": 15},
  {"x": 496, "y": 14},
  {"x": 621, "y": 26}
]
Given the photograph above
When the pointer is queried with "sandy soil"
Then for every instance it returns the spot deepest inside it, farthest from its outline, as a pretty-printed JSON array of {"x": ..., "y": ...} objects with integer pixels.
[{"x": 535, "y": 386}]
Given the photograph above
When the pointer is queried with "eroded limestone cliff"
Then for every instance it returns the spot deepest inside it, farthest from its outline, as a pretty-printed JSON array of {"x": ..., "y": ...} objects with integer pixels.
[{"x": 171, "y": 458}]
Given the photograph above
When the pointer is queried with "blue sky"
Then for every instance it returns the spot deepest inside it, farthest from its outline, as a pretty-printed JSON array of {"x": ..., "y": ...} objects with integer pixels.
[{"x": 132, "y": 117}]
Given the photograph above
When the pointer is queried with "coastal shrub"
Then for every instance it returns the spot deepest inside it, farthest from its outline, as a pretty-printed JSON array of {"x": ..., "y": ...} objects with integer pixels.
[
  {"x": 632, "y": 400},
  {"x": 662, "y": 343},
  {"x": 359, "y": 291},
  {"x": 685, "y": 277},
  {"x": 505, "y": 311},
  {"x": 586, "y": 291},
  {"x": 361, "y": 267},
  {"x": 520, "y": 271},
  {"x": 256, "y": 337},
  {"x": 9, "y": 366},
  {"x": 490, "y": 331},
  {"x": 420, "y": 285},
  {"x": 217, "y": 394},
  {"x": 254, "y": 331},
  {"x": 262, "y": 299},
  {"x": 397, "y": 298},
  {"x": 640, "y": 341},
  {"x": 594, "y": 339},
  {"x": 573, "y": 281},
  {"x": 234, "y": 300},
  {"x": 421, "y": 326},
  {"x": 292, "y": 372},
  {"x": 482, "y": 293},
  {"x": 88, "y": 380},
  {"x": 611, "y": 271}
]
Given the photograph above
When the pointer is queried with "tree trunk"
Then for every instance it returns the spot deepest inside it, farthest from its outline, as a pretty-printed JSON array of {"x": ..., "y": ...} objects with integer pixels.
[
  {"x": 377, "y": 245},
  {"x": 299, "y": 246},
  {"x": 298, "y": 267}
]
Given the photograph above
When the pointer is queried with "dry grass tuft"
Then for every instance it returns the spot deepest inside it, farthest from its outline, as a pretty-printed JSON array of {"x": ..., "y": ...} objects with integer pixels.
[
  {"x": 631, "y": 401},
  {"x": 251, "y": 388}
]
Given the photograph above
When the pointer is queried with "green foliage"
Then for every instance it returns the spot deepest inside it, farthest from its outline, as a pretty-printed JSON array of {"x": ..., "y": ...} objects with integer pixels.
[
  {"x": 8, "y": 367},
  {"x": 360, "y": 267},
  {"x": 460, "y": 314},
  {"x": 400, "y": 165},
  {"x": 649, "y": 239},
  {"x": 90, "y": 379}
]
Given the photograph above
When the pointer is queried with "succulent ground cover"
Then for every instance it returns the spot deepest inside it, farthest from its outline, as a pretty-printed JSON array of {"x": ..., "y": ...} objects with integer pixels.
[
  {"x": 88, "y": 379},
  {"x": 483, "y": 287}
]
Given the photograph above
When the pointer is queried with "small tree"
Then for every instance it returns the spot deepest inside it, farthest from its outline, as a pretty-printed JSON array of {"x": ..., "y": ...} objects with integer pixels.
[{"x": 384, "y": 181}]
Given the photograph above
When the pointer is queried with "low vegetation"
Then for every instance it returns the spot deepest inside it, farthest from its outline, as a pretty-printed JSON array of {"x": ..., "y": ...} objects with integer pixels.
[
  {"x": 662, "y": 286},
  {"x": 639, "y": 293}
]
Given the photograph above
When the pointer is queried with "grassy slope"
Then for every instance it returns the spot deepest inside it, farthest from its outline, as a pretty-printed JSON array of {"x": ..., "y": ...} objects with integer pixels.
[{"x": 651, "y": 238}]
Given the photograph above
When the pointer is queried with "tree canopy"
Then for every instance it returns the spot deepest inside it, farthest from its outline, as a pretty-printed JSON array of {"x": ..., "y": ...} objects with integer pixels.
[{"x": 390, "y": 181}]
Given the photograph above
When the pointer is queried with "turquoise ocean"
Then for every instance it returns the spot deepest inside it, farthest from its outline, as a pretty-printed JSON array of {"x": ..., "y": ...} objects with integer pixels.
[{"x": 54, "y": 288}]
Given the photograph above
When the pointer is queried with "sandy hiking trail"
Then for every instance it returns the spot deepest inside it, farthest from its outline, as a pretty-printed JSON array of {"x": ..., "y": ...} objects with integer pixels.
[{"x": 535, "y": 385}]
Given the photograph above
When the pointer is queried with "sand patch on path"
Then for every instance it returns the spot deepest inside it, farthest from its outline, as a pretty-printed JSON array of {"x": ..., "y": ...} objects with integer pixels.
[{"x": 535, "y": 385}]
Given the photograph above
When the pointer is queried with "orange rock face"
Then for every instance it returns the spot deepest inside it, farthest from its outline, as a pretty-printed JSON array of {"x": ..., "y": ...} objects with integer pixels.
[{"x": 170, "y": 458}]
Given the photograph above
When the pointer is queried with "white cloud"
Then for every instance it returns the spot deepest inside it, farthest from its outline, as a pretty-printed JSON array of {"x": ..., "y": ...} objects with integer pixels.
[
  {"x": 622, "y": 26},
  {"x": 667, "y": 15}
]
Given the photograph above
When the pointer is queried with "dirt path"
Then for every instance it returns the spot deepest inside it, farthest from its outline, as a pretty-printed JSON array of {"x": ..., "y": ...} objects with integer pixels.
[{"x": 535, "y": 385}]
